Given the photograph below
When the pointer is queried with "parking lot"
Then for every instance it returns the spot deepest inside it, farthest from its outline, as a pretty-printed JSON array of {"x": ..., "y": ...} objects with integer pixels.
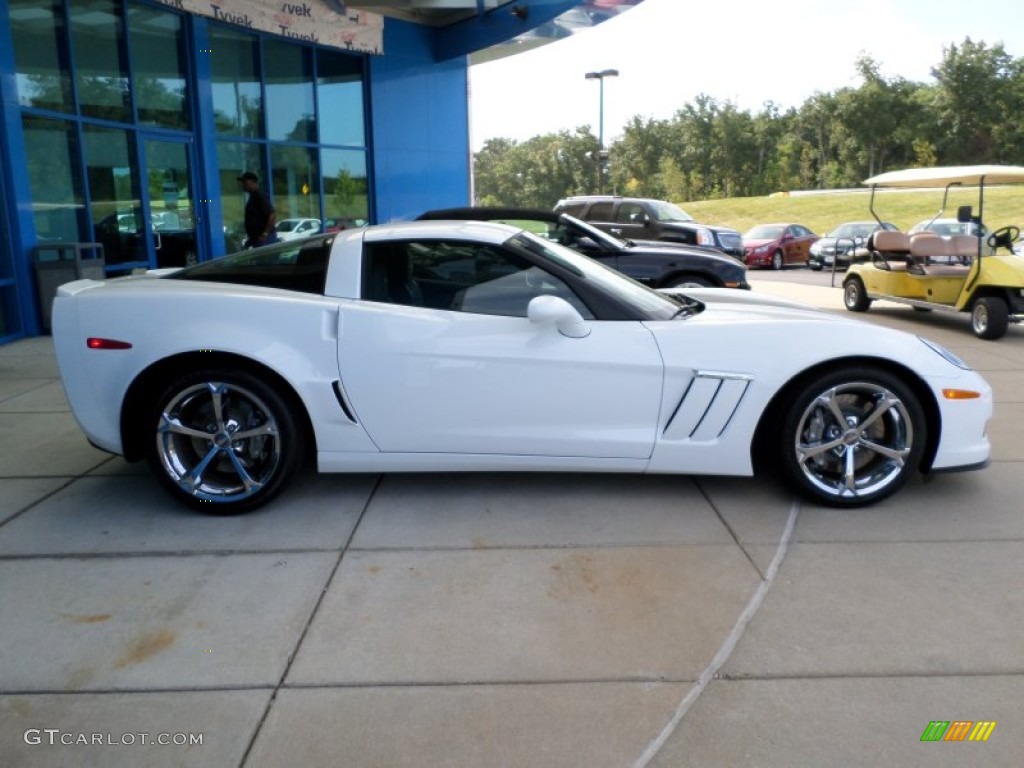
[{"x": 503, "y": 619}]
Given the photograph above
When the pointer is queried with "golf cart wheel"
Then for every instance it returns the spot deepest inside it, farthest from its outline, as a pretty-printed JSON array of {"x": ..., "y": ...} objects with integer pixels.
[
  {"x": 777, "y": 260},
  {"x": 855, "y": 298},
  {"x": 990, "y": 317},
  {"x": 852, "y": 437}
]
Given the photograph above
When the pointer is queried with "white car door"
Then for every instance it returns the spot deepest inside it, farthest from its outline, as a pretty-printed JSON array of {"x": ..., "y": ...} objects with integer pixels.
[{"x": 468, "y": 373}]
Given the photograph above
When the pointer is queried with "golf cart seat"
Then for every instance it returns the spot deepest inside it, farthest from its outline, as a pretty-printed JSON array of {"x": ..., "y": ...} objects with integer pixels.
[
  {"x": 965, "y": 247},
  {"x": 889, "y": 250},
  {"x": 934, "y": 256}
]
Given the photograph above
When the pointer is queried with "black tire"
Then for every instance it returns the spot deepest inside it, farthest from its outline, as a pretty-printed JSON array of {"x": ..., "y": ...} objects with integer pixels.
[
  {"x": 688, "y": 281},
  {"x": 222, "y": 441},
  {"x": 867, "y": 455},
  {"x": 815, "y": 266},
  {"x": 855, "y": 297},
  {"x": 990, "y": 317},
  {"x": 778, "y": 261}
]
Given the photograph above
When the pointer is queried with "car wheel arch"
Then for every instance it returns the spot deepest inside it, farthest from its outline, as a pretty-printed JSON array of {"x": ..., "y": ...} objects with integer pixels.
[
  {"x": 678, "y": 279},
  {"x": 152, "y": 379},
  {"x": 762, "y": 446}
]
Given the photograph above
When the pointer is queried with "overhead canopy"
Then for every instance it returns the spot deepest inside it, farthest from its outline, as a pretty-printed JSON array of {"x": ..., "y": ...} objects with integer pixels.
[{"x": 968, "y": 175}]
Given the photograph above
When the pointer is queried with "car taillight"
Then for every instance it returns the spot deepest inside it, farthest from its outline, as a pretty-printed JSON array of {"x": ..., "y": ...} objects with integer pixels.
[{"x": 94, "y": 342}]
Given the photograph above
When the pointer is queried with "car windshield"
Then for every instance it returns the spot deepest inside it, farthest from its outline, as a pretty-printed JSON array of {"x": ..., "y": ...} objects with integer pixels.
[
  {"x": 854, "y": 229},
  {"x": 765, "y": 232},
  {"x": 288, "y": 225},
  {"x": 668, "y": 212},
  {"x": 947, "y": 227},
  {"x": 651, "y": 303},
  {"x": 585, "y": 230}
]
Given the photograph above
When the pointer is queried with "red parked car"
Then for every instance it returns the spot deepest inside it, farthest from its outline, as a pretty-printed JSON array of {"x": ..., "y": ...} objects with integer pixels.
[{"x": 776, "y": 245}]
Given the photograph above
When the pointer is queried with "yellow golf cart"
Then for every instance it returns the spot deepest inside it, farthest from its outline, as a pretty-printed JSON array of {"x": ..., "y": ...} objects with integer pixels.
[{"x": 953, "y": 272}]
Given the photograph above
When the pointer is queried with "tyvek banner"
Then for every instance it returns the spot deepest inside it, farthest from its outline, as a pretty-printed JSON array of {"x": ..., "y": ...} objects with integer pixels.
[{"x": 311, "y": 20}]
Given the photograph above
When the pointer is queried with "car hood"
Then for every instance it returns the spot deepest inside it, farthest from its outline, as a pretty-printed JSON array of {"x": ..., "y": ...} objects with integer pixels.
[
  {"x": 724, "y": 299},
  {"x": 668, "y": 250},
  {"x": 758, "y": 243},
  {"x": 774, "y": 330}
]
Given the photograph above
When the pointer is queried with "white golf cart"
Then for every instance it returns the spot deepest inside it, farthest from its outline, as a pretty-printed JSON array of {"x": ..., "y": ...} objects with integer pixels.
[{"x": 955, "y": 273}]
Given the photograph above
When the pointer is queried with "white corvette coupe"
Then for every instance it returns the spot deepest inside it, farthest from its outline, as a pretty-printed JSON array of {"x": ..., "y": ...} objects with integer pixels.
[{"x": 455, "y": 346}]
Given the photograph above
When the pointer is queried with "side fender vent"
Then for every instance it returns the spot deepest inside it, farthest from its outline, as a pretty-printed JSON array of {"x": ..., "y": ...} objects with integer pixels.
[
  {"x": 339, "y": 393},
  {"x": 707, "y": 406}
]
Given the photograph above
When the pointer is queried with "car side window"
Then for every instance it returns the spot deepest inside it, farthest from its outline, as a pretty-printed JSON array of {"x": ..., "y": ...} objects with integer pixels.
[
  {"x": 600, "y": 212},
  {"x": 627, "y": 211},
  {"x": 458, "y": 276}
]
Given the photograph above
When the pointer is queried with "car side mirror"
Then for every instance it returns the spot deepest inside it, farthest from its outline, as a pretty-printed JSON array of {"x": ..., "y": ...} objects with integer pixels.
[
  {"x": 964, "y": 214},
  {"x": 560, "y": 313}
]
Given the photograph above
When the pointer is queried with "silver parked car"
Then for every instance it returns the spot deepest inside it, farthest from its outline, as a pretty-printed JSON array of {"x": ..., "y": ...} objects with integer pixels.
[{"x": 839, "y": 244}]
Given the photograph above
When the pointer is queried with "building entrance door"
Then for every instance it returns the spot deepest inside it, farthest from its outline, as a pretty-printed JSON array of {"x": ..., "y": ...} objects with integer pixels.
[{"x": 169, "y": 175}]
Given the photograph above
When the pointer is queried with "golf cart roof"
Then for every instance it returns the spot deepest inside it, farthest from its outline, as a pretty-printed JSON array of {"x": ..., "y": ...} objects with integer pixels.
[{"x": 942, "y": 177}]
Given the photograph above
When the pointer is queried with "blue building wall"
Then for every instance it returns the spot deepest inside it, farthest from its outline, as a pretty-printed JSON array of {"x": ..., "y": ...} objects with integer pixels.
[
  {"x": 417, "y": 106},
  {"x": 419, "y": 114}
]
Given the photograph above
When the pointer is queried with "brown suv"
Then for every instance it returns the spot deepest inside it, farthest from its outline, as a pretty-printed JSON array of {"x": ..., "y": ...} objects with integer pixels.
[{"x": 637, "y": 218}]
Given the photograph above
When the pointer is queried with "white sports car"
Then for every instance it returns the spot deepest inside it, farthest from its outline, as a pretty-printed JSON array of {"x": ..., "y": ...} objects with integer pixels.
[{"x": 454, "y": 346}]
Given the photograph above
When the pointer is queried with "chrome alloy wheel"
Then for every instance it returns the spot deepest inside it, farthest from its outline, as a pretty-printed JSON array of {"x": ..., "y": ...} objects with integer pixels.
[
  {"x": 854, "y": 440},
  {"x": 218, "y": 442}
]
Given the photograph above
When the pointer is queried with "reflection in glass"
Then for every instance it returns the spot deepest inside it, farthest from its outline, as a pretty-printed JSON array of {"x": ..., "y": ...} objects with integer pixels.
[
  {"x": 51, "y": 158},
  {"x": 97, "y": 31},
  {"x": 296, "y": 182},
  {"x": 340, "y": 93},
  {"x": 114, "y": 195},
  {"x": 346, "y": 195},
  {"x": 37, "y": 29},
  {"x": 158, "y": 67},
  {"x": 237, "y": 102},
  {"x": 289, "y": 78},
  {"x": 233, "y": 159}
]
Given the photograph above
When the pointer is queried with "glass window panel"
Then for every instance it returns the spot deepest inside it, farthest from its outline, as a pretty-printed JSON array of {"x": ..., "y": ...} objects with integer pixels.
[
  {"x": 289, "y": 78},
  {"x": 237, "y": 101},
  {"x": 158, "y": 67},
  {"x": 346, "y": 191},
  {"x": 340, "y": 93},
  {"x": 41, "y": 74},
  {"x": 233, "y": 159},
  {"x": 114, "y": 201},
  {"x": 52, "y": 159},
  {"x": 97, "y": 31},
  {"x": 296, "y": 179}
]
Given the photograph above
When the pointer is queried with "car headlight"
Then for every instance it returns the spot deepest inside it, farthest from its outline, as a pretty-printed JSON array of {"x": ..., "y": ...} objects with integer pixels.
[
  {"x": 945, "y": 354},
  {"x": 704, "y": 237},
  {"x": 763, "y": 248}
]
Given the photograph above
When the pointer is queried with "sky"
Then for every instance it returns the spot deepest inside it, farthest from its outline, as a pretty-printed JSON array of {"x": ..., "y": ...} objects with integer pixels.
[{"x": 747, "y": 52}]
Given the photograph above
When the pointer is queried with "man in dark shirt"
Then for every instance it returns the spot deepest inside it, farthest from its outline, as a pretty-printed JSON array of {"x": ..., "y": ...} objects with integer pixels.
[{"x": 260, "y": 216}]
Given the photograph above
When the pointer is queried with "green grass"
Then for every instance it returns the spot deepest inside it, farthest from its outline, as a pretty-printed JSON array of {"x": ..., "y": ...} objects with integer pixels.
[{"x": 823, "y": 212}]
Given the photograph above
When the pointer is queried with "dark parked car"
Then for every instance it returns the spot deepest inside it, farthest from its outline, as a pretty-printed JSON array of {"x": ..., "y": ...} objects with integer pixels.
[
  {"x": 841, "y": 243},
  {"x": 638, "y": 218},
  {"x": 657, "y": 264}
]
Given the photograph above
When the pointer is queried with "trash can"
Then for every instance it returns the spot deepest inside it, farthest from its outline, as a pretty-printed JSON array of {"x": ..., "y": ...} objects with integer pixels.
[{"x": 59, "y": 263}]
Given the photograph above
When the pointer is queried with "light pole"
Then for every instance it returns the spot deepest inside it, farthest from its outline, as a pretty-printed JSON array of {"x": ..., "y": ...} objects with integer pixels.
[{"x": 601, "y": 154}]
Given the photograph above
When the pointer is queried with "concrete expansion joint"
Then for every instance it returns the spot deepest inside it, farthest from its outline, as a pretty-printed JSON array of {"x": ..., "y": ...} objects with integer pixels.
[{"x": 731, "y": 640}]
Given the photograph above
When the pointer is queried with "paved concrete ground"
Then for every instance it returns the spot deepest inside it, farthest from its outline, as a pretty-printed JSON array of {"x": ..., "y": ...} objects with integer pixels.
[{"x": 508, "y": 620}]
